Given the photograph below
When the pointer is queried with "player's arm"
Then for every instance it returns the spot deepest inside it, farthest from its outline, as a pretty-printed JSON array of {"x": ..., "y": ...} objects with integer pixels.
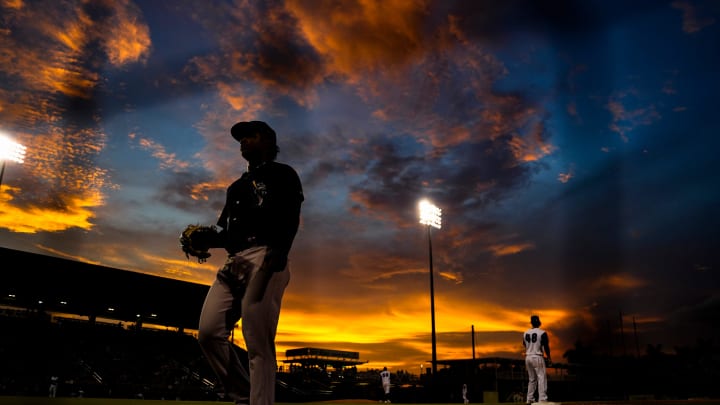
[
  {"x": 545, "y": 343},
  {"x": 285, "y": 220},
  {"x": 222, "y": 224}
]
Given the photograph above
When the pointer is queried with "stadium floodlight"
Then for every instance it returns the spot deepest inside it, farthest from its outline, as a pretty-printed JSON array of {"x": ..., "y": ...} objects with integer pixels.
[
  {"x": 10, "y": 150},
  {"x": 431, "y": 217}
]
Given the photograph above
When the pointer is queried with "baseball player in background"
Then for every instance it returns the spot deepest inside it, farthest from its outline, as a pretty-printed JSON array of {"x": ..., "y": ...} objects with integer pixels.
[
  {"x": 385, "y": 378},
  {"x": 52, "y": 390},
  {"x": 535, "y": 341}
]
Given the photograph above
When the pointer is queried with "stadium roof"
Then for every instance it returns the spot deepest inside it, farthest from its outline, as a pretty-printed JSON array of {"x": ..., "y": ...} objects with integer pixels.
[
  {"x": 324, "y": 358},
  {"x": 501, "y": 361},
  {"x": 52, "y": 284}
]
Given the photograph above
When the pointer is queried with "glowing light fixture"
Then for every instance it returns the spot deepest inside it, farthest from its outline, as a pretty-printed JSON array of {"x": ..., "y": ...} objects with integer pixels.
[
  {"x": 431, "y": 217},
  {"x": 10, "y": 150}
]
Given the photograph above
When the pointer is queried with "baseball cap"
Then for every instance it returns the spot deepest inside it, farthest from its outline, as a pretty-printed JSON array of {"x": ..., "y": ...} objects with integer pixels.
[
  {"x": 535, "y": 320},
  {"x": 248, "y": 128}
]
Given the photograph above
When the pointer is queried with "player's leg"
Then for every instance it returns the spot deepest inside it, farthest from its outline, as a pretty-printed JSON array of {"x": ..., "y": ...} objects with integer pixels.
[
  {"x": 542, "y": 381},
  {"x": 219, "y": 314},
  {"x": 532, "y": 379},
  {"x": 261, "y": 311}
]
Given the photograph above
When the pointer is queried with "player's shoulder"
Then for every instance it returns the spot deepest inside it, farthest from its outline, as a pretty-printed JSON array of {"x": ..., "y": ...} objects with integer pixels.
[
  {"x": 280, "y": 166},
  {"x": 284, "y": 170}
]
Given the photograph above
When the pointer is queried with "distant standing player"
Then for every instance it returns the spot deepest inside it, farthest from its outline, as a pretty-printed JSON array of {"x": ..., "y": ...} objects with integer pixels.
[
  {"x": 536, "y": 342},
  {"x": 385, "y": 378},
  {"x": 52, "y": 390},
  {"x": 464, "y": 393}
]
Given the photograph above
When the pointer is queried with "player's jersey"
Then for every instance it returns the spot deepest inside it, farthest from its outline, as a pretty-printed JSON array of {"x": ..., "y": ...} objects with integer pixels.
[
  {"x": 385, "y": 375},
  {"x": 534, "y": 340}
]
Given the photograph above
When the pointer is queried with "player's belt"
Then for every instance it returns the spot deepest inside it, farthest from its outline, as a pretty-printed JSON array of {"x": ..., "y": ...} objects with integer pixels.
[{"x": 240, "y": 244}]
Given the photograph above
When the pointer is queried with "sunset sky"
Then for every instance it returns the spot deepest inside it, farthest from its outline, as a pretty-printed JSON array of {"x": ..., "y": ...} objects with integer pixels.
[{"x": 573, "y": 147}]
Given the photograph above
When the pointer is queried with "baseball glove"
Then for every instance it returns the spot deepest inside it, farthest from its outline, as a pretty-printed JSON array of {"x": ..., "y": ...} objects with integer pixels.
[{"x": 197, "y": 240}]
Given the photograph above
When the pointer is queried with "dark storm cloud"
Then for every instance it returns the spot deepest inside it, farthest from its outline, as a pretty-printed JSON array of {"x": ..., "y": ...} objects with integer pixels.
[
  {"x": 700, "y": 316},
  {"x": 392, "y": 181},
  {"x": 494, "y": 19},
  {"x": 257, "y": 43},
  {"x": 176, "y": 190},
  {"x": 335, "y": 152},
  {"x": 480, "y": 173}
]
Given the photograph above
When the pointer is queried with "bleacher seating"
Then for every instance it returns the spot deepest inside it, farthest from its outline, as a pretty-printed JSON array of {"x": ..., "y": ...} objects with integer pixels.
[{"x": 99, "y": 359}]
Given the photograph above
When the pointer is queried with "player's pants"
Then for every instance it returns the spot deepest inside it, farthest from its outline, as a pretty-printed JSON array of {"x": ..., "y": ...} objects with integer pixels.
[
  {"x": 240, "y": 291},
  {"x": 536, "y": 372}
]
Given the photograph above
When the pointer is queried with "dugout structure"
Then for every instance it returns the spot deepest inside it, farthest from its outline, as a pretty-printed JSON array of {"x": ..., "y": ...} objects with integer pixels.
[
  {"x": 324, "y": 359},
  {"x": 324, "y": 373}
]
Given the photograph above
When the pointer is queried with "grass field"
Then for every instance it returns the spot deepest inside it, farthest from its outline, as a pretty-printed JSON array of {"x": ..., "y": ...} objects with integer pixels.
[
  {"x": 113, "y": 401},
  {"x": 107, "y": 401}
]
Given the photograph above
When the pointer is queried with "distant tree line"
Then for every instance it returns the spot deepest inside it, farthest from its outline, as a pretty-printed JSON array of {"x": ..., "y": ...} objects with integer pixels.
[{"x": 689, "y": 372}]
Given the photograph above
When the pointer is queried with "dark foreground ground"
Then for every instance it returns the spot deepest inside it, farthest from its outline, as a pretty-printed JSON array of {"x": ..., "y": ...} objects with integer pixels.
[{"x": 106, "y": 401}]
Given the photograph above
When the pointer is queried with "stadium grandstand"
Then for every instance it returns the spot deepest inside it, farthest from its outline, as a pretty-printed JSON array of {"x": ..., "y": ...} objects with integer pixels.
[
  {"x": 70, "y": 288},
  {"x": 105, "y": 332}
]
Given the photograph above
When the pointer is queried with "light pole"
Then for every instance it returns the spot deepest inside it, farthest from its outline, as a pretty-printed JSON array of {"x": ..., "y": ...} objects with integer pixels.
[
  {"x": 10, "y": 150},
  {"x": 431, "y": 217}
]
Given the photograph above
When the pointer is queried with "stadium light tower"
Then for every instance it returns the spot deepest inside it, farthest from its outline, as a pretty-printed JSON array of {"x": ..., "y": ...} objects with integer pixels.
[
  {"x": 10, "y": 150},
  {"x": 431, "y": 217}
]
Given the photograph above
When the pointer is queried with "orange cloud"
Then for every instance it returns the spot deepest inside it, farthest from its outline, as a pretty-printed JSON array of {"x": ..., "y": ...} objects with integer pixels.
[
  {"x": 625, "y": 121},
  {"x": 126, "y": 37},
  {"x": 76, "y": 213},
  {"x": 621, "y": 281},
  {"x": 167, "y": 160},
  {"x": 60, "y": 185},
  {"x": 180, "y": 269},
  {"x": 247, "y": 103},
  {"x": 13, "y": 4},
  {"x": 531, "y": 147},
  {"x": 51, "y": 52},
  {"x": 50, "y": 58},
  {"x": 58, "y": 253},
  {"x": 565, "y": 177},
  {"x": 381, "y": 33},
  {"x": 691, "y": 20},
  {"x": 511, "y": 249}
]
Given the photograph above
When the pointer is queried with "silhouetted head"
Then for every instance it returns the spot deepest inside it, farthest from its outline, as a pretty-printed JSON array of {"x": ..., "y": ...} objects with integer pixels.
[
  {"x": 535, "y": 321},
  {"x": 266, "y": 147}
]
